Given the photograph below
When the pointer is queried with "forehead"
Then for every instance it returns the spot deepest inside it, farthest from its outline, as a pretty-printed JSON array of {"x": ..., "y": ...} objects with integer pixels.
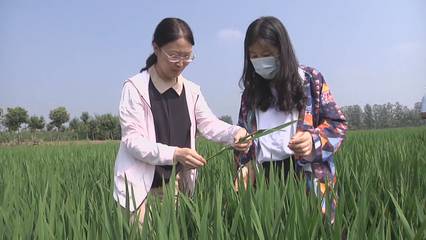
[
  {"x": 179, "y": 45},
  {"x": 262, "y": 46}
]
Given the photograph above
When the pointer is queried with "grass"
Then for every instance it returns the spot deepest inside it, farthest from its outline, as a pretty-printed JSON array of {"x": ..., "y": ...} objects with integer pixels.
[{"x": 65, "y": 192}]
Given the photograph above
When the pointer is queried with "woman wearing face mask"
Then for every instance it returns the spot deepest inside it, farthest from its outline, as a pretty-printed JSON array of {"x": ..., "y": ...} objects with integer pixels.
[
  {"x": 277, "y": 90},
  {"x": 160, "y": 112}
]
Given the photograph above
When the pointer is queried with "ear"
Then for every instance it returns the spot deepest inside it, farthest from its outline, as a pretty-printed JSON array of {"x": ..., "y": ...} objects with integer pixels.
[{"x": 156, "y": 48}]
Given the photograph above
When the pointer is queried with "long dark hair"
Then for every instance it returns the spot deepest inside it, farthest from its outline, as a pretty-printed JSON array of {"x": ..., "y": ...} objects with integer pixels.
[
  {"x": 169, "y": 30},
  {"x": 287, "y": 82}
]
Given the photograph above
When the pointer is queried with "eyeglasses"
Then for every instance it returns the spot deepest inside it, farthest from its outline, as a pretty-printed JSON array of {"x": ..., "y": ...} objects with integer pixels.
[{"x": 176, "y": 58}]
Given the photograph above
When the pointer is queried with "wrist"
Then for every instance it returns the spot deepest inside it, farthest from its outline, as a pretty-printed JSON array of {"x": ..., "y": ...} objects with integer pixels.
[{"x": 176, "y": 155}]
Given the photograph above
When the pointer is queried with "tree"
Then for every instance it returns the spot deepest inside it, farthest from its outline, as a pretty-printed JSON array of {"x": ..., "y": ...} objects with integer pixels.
[
  {"x": 368, "y": 117},
  {"x": 388, "y": 114},
  {"x": 49, "y": 127},
  {"x": 423, "y": 107},
  {"x": 398, "y": 115},
  {"x": 85, "y": 117},
  {"x": 416, "y": 114},
  {"x": 36, "y": 123},
  {"x": 226, "y": 118},
  {"x": 74, "y": 124},
  {"x": 84, "y": 126},
  {"x": 15, "y": 117},
  {"x": 106, "y": 126},
  {"x": 92, "y": 128},
  {"x": 1, "y": 118},
  {"x": 79, "y": 127},
  {"x": 381, "y": 115},
  {"x": 59, "y": 116},
  {"x": 354, "y": 116},
  {"x": 406, "y": 121}
]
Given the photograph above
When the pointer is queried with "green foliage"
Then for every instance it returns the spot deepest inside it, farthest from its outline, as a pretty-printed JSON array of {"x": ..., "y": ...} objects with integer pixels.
[
  {"x": 85, "y": 117},
  {"x": 59, "y": 116},
  {"x": 74, "y": 124},
  {"x": 226, "y": 118},
  {"x": 64, "y": 191},
  {"x": 389, "y": 115},
  {"x": 252, "y": 136},
  {"x": 1, "y": 119},
  {"x": 50, "y": 127},
  {"x": 101, "y": 127},
  {"x": 15, "y": 117},
  {"x": 107, "y": 127},
  {"x": 36, "y": 123}
]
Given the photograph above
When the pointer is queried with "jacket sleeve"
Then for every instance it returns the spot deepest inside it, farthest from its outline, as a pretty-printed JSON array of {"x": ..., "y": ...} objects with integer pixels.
[
  {"x": 134, "y": 130},
  {"x": 330, "y": 132},
  {"x": 210, "y": 126}
]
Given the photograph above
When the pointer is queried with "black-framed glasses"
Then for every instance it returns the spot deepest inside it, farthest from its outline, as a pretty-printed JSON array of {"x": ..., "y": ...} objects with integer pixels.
[{"x": 174, "y": 58}]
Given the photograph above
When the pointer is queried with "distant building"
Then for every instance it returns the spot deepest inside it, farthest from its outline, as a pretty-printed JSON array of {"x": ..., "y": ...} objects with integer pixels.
[{"x": 423, "y": 109}]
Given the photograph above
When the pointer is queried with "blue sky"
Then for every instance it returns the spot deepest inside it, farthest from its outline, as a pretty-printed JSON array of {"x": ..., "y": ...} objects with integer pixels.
[{"x": 78, "y": 53}]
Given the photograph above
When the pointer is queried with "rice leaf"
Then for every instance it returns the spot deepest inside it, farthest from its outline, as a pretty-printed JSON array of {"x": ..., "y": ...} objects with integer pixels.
[{"x": 252, "y": 136}]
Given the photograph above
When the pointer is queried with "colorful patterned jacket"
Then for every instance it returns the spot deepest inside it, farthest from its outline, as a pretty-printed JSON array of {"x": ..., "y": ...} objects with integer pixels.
[{"x": 321, "y": 117}]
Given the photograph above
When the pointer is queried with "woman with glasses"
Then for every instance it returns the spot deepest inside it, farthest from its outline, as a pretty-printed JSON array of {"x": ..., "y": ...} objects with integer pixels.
[
  {"x": 277, "y": 90},
  {"x": 160, "y": 113}
]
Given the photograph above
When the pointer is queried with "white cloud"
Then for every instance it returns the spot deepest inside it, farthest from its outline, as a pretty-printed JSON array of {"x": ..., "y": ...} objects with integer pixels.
[{"x": 230, "y": 35}]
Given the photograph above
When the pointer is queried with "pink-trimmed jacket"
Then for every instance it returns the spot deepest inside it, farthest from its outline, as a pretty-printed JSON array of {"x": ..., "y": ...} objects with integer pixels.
[{"x": 139, "y": 152}]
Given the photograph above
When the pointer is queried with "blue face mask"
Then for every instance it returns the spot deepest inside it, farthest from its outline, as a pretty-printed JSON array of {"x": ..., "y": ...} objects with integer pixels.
[{"x": 267, "y": 67}]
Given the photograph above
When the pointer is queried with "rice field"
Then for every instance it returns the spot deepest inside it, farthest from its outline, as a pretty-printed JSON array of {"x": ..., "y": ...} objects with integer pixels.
[{"x": 64, "y": 191}]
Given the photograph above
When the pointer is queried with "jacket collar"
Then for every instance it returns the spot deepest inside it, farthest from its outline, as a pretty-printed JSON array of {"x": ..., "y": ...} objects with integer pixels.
[
  {"x": 162, "y": 85},
  {"x": 141, "y": 83}
]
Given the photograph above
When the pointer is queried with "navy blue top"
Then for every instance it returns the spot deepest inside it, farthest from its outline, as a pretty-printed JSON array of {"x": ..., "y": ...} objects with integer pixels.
[{"x": 172, "y": 125}]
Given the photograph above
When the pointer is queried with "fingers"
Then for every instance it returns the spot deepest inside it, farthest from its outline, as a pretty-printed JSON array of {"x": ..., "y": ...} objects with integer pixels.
[
  {"x": 240, "y": 134},
  {"x": 197, "y": 156},
  {"x": 301, "y": 149},
  {"x": 299, "y": 137},
  {"x": 303, "y": 152},
  {"x": 301, "y": 144},
  {"x": 189, "y": 158},
  {"x": 243, "y": 147},
  {"x": 193, "y": 162},
  {"x": 195, "y": 159}
]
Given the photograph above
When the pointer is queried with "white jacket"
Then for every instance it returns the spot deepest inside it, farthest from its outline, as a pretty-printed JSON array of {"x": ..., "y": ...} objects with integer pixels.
[{"x": 139, "y": 152}]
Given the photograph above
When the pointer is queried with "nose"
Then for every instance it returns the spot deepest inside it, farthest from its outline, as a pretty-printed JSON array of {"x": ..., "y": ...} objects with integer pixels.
[{"x": 180, "y": 63}]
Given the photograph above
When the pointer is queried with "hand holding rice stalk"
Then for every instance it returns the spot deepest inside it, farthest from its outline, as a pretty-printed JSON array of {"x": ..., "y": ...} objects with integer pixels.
[{"x": 259, "y": 133}]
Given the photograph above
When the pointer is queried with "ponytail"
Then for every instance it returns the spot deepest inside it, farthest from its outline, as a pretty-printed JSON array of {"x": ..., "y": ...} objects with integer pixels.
[{"x": 150, "y": 61}]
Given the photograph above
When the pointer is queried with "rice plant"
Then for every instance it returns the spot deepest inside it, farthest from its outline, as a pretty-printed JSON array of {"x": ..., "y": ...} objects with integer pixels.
[{"x": 64, "y": 191}]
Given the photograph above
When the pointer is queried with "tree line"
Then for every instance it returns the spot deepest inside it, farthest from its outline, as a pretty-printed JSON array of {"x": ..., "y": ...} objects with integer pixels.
[
  {"x": 107, "y": 126},
  {"x": 379, "y": 116},
  {"x": 86, "y": 126}
]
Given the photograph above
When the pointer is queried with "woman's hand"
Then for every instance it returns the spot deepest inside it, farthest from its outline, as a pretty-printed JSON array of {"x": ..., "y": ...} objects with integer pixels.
[
  {"x": 188, "y": 158},
  {"x": 302, "y": 145},
  {"x": 242, "y": 147}
]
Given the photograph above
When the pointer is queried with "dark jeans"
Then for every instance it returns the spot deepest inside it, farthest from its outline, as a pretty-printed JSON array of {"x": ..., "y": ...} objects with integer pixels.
[{"x": 281, "y": 168}]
